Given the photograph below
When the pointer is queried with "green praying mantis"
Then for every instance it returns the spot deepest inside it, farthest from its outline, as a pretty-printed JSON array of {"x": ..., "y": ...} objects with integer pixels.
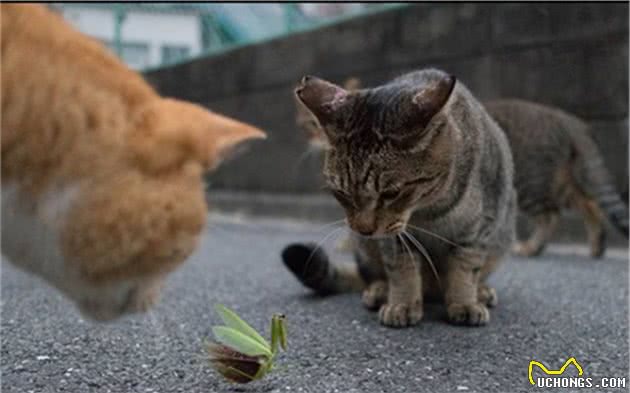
[{"x": 241, "y": 354}]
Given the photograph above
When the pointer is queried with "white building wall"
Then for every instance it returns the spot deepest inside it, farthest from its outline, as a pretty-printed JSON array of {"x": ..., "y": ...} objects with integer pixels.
[
  {"x": 162, "y": 29},
  {"x": 91, "y": 21},
  {"x": 139, "y": 27}
]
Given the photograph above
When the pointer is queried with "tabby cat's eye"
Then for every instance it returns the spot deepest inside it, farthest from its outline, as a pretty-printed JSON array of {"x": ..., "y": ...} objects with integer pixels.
[
  {"x": 390, "y": 195},
  {"x": 343, "y": 198}
]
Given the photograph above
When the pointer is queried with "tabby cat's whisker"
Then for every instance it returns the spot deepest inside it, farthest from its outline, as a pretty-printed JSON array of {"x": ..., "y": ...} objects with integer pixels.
[
  {"x": 430, "y": 233},
  {"x": 424, "y": 253},
  {"x": 404, "y": 243},
  {"x": 319, "y": 245},
  {"x": 399, "y": 237},
  {"x": 435, "y": 235},
  {"x": 331, "y": 224}
]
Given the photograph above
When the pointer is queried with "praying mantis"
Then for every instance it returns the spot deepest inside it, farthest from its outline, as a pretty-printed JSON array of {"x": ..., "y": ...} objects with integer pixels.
[{"x": 242, "y": 355}]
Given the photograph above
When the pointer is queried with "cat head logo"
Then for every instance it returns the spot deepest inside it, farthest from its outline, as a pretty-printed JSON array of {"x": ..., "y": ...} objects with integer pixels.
[{"x": 545, "y": 370}]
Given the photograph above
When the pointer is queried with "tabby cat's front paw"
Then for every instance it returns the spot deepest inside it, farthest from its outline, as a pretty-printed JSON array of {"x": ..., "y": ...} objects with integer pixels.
[
  {"x": 475, "y": 314},
  {"x": 375, "y": 295},
  {"x": 487, "y": 295},
  {"x": 400, "y": 314}
]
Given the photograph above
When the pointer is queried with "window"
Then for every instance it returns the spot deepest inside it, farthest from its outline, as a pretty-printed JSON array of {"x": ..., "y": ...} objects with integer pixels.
[
  {"x": 172, "y": 53},
  {"x": 134, "y": 54}
]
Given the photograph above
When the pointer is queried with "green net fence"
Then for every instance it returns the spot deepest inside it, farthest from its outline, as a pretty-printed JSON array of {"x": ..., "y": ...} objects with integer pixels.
[{"x": 154, "y": 35}]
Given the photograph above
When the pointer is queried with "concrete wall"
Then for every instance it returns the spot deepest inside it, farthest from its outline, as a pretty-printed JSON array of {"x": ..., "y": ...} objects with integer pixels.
[{"x": 574, "y": 56}]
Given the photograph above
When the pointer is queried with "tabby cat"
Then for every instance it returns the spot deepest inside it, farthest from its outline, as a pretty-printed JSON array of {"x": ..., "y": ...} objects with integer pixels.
[
  {"x": 557, "y": 166},
  {"x": 425, "y": 178},
  {"x": 102, "y": 179}
]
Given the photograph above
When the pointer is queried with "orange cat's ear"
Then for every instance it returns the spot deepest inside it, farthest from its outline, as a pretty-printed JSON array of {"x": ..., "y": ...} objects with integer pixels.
[
  {"x": 227, "y": 136},
  {"x": 167, "y": 133}
]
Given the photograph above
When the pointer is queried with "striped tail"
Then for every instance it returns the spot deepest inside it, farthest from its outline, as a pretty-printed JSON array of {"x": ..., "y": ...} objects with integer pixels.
[
  {"x": 593, "y": 177},
  {"x": 313, "y": 269}
]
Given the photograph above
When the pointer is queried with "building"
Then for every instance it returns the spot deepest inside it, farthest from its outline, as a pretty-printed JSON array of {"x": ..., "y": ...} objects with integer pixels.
[
  {"x": 148, "y": 35},
  {"x": 143, "y": 36}
]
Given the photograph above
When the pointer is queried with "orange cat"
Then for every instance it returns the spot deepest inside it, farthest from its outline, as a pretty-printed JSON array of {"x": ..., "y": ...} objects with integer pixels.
[{"x": 102, "y": 187}]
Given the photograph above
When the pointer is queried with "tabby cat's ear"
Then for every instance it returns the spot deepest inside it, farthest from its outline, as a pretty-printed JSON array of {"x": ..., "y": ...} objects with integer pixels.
[
  {"x": 169, "y": 133},
  {"x": 430, "y": 100},
  {"x": 322, "y": 98}
]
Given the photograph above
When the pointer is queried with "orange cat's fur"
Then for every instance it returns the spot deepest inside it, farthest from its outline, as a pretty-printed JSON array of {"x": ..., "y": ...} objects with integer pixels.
[{"x": 102, "y": 188}]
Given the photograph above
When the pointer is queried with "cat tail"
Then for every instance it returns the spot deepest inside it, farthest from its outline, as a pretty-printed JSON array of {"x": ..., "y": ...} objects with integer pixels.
[
  {"x": 313, "y": 269},
  {"x": 592, "y": 176}
]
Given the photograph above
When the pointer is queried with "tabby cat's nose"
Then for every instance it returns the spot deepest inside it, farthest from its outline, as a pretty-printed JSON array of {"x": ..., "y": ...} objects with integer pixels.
[
  {"x": 363, "y": 223},
  {"x": 366, "y": 232}
]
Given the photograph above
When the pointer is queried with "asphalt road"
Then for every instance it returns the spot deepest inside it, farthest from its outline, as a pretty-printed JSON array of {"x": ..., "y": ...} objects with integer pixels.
[{"x": 552, "y": 308}]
